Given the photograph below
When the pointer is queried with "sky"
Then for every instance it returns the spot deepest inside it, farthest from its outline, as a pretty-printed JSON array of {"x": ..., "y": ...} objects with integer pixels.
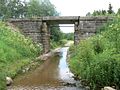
[{"x": 81, "y": 8}]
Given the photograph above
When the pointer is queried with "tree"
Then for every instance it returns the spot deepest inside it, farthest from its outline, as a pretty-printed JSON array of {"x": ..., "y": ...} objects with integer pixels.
[
  {"x": 96, "y": 13},
  {"x": 3, "y": 8},
  {"x": 88, "y": 14},
  {"x": 104, "y": 12},
  {"x": 22, "y": 9},
  {"x": 37, "y": 8},
  {"x": 69, "y": 36},
  {"x": 110, "y": 11},
  {"x": 12, "y": 9},
  {"x": 56, "y": 34},
  {"x": 118, "y": 12}
]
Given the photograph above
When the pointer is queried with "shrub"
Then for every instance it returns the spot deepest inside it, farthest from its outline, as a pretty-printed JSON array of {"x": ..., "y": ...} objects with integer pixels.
[{"x": 97, "y": 59}]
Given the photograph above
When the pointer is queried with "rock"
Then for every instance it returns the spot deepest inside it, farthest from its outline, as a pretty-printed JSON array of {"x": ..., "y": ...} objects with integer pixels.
[
  {"x": 9, "y": 81},
  {"x": 23, "y": 71},
  {"x": 87, "y": 88},
  {"x": 108, "y": 88},
  {"x": 69, "y": 84},
  {"x": 27, "y": 69},
  {"x": 76, "y": 77},
  {"x": 113, "y": 86}
]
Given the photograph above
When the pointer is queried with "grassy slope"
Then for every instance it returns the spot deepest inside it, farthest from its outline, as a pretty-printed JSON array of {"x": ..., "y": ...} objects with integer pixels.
[
  {"x": 97, "y": 59},
  {"x": 15, "y": 51}
]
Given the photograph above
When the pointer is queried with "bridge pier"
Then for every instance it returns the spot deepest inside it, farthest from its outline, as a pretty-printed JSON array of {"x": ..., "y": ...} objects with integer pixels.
[
  {"x": 76, "y": 33},
  {"x": 45, "y": 37}
]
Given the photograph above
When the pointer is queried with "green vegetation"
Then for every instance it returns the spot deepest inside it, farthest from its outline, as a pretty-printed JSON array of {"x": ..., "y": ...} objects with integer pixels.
[
  {"x": 2, "y": 81},
  {"x": 69, "y": 36},
  {"x": 108, "y": 12},
  {"x": 15, "y": 51},
  {"x": 26, "y": 9},
  {"x": 56, "y": 37},
  {"x": 96, "y": 60},
  {"x": 31, "y": 9},
  {"x": 37, "y": 8}
]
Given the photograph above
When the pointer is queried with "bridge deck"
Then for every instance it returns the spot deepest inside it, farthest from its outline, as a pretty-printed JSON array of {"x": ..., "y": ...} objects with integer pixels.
[{"x": 62, "y": 19}]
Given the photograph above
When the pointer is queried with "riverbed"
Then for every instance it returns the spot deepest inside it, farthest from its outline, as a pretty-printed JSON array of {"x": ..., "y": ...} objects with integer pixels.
[{"x": 54, "y": 74}]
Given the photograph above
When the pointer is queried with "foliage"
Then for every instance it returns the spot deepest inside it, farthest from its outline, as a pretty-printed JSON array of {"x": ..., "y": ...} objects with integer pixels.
[
  {"x": 56, "y": 34},
  {"x": 25, "y": 9},
  {"x": 55, "y": 44},
  {"x": 12, "y": 9},
  {"x": 30, "y": 9},
  {"x": 118, "y": 12},
  {"x": 57, "y": 37},
  {"x": 69, "y": 36},
  {"x": 2, "y": 81},
  {"x": 15, "y": 49},
  {"x": 97, "y": 59},
  {"x": 108, "y": 12},
  {"x": 37, "y": 8}
]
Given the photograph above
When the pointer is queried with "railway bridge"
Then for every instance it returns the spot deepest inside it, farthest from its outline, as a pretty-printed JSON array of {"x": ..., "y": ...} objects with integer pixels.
[{"x": 39, "y": 28}]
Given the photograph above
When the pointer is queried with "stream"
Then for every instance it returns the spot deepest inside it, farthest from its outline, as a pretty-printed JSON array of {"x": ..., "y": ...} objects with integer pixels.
[{"x": 53, "y": 74}]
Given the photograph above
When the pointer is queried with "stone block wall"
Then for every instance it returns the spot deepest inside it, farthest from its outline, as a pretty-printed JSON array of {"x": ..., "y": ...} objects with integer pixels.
[
  {"x": 30, "y": 28},
  {"x": 88, "y": 26}
]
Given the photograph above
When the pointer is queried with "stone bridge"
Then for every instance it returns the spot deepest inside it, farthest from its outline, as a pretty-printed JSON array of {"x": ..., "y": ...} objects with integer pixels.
[{"x": 39, "y": 28}]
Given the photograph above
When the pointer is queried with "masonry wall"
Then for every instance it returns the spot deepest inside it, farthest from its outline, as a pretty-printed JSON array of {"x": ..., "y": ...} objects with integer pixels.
[
  {"x": 30, "y": 28},
  {"x": 88, "y": 26}
]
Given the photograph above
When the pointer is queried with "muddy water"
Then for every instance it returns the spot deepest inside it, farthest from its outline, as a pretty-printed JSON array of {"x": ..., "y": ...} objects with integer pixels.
[{"x": 54, "y": 74}]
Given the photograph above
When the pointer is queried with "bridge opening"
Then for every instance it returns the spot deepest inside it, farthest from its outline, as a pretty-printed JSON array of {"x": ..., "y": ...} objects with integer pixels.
[{"x": 66, "y": 30}]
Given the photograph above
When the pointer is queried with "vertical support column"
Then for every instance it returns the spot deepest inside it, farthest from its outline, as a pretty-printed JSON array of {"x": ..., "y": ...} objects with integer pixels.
[
  {"x": 48, "y": 28},
  {"x": 45, "y": 38},
  {"x": 76, "y": 33}
]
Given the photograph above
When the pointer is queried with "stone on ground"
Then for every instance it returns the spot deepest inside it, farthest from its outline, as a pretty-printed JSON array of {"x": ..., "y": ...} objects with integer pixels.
[
  {"x": 108, "y": 88},
  {"x": 9, "y": 81}
]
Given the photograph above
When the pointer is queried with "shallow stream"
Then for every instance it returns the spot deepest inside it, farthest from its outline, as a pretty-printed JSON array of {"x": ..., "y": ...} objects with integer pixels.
[{"x": 54, "y": 74}]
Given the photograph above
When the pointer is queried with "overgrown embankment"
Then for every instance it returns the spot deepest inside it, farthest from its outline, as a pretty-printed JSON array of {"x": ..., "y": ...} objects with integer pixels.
[
  {"x": 96, "y": 60},
  {"x": 15, "y": 52}
]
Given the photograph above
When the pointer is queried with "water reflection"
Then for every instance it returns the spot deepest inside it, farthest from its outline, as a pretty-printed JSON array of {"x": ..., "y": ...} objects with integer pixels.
[{"x": 64, "y": 70}]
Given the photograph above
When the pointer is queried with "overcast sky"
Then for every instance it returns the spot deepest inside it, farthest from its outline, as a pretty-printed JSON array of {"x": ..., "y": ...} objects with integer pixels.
[{"x": 82, "y": 7}]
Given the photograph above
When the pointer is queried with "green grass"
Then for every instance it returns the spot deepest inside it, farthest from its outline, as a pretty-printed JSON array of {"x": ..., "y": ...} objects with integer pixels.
[
  {"x": 97, "y": 59},
  {"x": 55, "y": 44},
  {"x": 15, "y": 51}
]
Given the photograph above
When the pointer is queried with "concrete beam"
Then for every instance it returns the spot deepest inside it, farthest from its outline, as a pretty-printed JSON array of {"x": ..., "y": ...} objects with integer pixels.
[
  {"x": 60, "y": 19},
  {"x": 52, "y": 18}
]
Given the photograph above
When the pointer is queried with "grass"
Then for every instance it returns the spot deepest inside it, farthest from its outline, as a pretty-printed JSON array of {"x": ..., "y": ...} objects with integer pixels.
[
  {"x": 97, "y": 59},
  {"x": 16, "y": 51}
]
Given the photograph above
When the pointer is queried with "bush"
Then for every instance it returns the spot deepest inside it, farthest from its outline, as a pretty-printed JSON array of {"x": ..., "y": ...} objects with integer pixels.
[{"x": 97, "y": 59}]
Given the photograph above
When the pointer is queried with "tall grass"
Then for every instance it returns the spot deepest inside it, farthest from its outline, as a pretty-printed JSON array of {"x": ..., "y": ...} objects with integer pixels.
[
  {"x": 15, "y": 51},
  {"x": 97, "y": 59}
]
